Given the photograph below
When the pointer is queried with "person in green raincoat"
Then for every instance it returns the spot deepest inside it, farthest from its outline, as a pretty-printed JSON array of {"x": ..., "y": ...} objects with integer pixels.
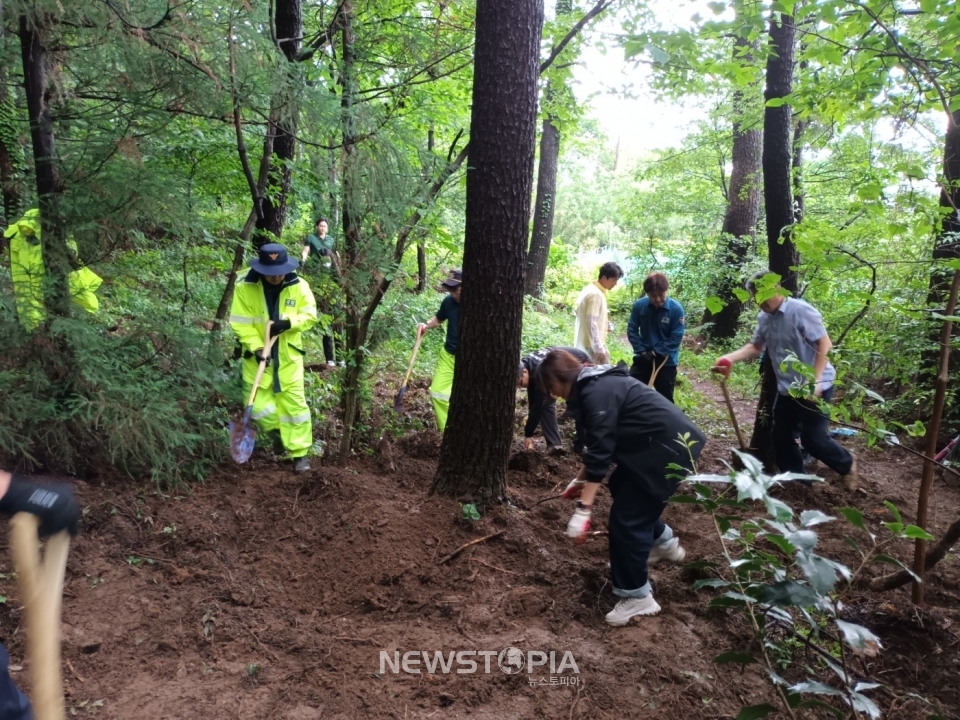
[
  {"x": 272, "y": 291},
  {"x": 27, "y": 271}
]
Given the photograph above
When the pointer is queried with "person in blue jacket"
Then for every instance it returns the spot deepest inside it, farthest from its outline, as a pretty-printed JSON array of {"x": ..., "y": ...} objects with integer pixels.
[{"x": 655, "y": 331}]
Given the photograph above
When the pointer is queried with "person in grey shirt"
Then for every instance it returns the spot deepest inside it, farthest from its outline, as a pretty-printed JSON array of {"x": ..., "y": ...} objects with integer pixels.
[{"x": 790, "y": 327}]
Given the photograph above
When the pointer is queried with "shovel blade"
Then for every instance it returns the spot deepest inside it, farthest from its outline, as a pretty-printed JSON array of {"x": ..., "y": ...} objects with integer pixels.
[
  {"x": 242, "y": 438},
  {"x": 398, "y": 400}
]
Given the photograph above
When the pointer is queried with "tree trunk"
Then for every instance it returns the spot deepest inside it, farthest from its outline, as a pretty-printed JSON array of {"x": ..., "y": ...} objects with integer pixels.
[
  {"x": 284, "y": 107},
  {"x": 49, "y": 186},
  {"x": 799, "y": 201},
  {"x": 778, "y": 202},
  {"x": 546, "y": 202},
  {"x": 354, "y": 333},
  {"x": 421, "y": 235},
  {"x": 743, "y": 211},
  {"x": 778, "y": 155},
  {"x": 544, "y": 207},
  {"x": 476, "y": 444},
  {"x": 11, "y": 154}
]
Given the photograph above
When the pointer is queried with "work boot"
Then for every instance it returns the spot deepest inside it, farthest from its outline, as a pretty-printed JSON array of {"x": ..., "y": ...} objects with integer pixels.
[
  {"x": 302, "y": 464},
  {"x": 276, "y": 442},
  {"x": 852, "y": 479},
  {"x": 670, "y": 551},
  {"x": 630, "y": 607}
]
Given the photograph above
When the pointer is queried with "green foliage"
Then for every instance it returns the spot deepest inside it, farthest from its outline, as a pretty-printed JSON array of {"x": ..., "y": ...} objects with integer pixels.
[{"x": 791, "y": 596}]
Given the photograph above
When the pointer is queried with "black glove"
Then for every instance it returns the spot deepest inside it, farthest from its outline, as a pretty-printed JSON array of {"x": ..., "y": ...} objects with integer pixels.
[
  {"x": 278, "y": 327},
  {"x": 53, "y": 503},
  {"x": 260, "y": 357}
]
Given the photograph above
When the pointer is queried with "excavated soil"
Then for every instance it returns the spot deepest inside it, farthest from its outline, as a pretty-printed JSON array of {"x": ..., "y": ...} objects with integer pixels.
[{"x": 265, "y": 594}]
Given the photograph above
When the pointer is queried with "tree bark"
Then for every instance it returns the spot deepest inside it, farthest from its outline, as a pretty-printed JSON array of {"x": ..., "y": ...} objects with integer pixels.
[
  {"x": 799, "y": 199},
  {"x": 284, "y": 107},
  {"x": 743, "y": 211},
  {"x": 36, "y": 57},
  {"x": 476, "y": 444},
  {"x": 778, "y": 203},
  {"x": 11, "y": 154},
  {"x": 544, "y": 207},
  {"x": 545, "y": 203}
]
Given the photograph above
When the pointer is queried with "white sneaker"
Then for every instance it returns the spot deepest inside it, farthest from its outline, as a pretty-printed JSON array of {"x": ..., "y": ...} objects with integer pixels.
[
  {"x": 629, "y": 607},
  {"x": 670, "y": 551},
  {"x": 331, "y": 363}
]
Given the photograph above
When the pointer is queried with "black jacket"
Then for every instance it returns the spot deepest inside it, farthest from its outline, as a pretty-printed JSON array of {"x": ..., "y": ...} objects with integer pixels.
[
  {"x": 624, "y": 422},
  {"x": 537, "y": 398}
]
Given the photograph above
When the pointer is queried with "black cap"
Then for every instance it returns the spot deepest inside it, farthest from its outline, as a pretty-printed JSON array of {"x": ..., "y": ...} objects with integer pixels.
[
  {"x": 272, "y": 259},
  {"x": 453, "y": 281}
]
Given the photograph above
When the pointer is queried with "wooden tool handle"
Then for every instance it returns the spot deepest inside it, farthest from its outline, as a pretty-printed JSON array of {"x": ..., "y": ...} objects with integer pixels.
[
  {"x": 733, "y": 415},
  {"x": 656, "y": 371},
  {"x": 413, "y": 357},
  {"x": 267, "y": 347},
  {"x": 42, "y": 588}
]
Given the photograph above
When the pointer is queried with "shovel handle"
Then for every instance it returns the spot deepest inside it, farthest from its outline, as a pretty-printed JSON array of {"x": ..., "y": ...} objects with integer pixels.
[
  {"x": 413, "y": 358},
  {"x": 267, "y": 346},
  {"x": 41, "y": 583},
  {"x": 656, "y": 371},
  {"x": 733, "y": 415}
]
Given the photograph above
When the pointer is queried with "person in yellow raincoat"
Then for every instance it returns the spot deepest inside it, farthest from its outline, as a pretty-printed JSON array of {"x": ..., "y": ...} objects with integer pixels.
[
  {"x": 272, "y": 291},
  {"x": 27, "y": 272}
]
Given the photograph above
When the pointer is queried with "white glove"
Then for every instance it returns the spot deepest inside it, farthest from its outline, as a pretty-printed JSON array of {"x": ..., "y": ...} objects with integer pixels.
[
  {"x": 574, "y": 489},
  {"x": 579, "y": 524}
]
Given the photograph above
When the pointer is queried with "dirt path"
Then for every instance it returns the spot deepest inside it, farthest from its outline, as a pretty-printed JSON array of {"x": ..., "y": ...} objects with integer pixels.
[{"x": 269, "y": 595}]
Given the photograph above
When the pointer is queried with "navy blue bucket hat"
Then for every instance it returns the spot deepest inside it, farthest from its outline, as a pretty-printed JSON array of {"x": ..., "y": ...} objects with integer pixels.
[{"x": 273, "y": 260}]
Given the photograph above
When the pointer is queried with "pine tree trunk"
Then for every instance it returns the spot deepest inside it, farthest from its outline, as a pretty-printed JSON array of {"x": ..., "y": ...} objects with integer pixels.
[
  {"x": 778, "y": 202},
  {"x": 799, "y": 201},
  {"x": 743, "y": 211},
  {"x": 36, "y": 86},
  {"x": 543, "y": 211},
  {"x": 10, "y": 152},
  {"x": 284, "y": 107},
  {"x": 476, "y": 444}
]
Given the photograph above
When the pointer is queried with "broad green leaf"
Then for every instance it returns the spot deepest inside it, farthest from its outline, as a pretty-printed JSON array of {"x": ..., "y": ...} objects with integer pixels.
[
  {"x": 893, "y": 510},
  {"x": 915, "y": 533},
  {"x": 853, "y": 516},
  {"x": 809, "y": 518},
  {"x": 789, "y": 593},
  {"x": 714, "y": 304},
  {"x": 893, "y": 561},
  {"x": 778, "y": 102}
]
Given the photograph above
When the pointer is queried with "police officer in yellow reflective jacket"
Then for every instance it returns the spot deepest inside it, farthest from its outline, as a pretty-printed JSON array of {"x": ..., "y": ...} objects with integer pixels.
[
  {"x": 27, "y": 271},
  {"x": 273, "y": 291}
]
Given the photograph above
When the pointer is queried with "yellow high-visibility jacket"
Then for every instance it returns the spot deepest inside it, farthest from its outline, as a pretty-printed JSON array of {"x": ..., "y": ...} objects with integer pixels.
[
  {"x": 27, "y": 271},
  {"x": 249, "y": 316}
]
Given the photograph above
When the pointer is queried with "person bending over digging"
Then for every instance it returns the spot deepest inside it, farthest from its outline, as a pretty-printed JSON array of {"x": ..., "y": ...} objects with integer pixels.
[
  {"x": 541, "y": 406},
  {"x": 443, "y": 376},
  {"x": 625, "y": 422},
  {"x": 792, "y": 327},
  {"x": 57, "y": 509},
  {"x": 272, "y": 291}
]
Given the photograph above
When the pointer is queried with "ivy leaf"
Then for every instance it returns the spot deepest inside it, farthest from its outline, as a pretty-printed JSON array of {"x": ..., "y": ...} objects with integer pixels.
[{"x": 754, "y": 712}]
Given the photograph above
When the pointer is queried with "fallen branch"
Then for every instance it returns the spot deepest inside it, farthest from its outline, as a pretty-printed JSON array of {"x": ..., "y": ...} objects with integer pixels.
[
  {"x": 463, "y": 547},
  {"x": 933, "y": 556},
  {"x": 548, "y": 499}
]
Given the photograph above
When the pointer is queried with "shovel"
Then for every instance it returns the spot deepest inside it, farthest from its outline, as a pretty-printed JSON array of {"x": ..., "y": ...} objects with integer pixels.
[
  {"x": 656, "y": 371},
  {"x": 41, "y": 583},
  {"x": 242, "y": 435},
  {"x": 398, "y": 400}
]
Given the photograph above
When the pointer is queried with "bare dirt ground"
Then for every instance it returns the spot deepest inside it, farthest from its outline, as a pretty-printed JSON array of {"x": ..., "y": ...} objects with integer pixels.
[{"x": 265, "y": 594}]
